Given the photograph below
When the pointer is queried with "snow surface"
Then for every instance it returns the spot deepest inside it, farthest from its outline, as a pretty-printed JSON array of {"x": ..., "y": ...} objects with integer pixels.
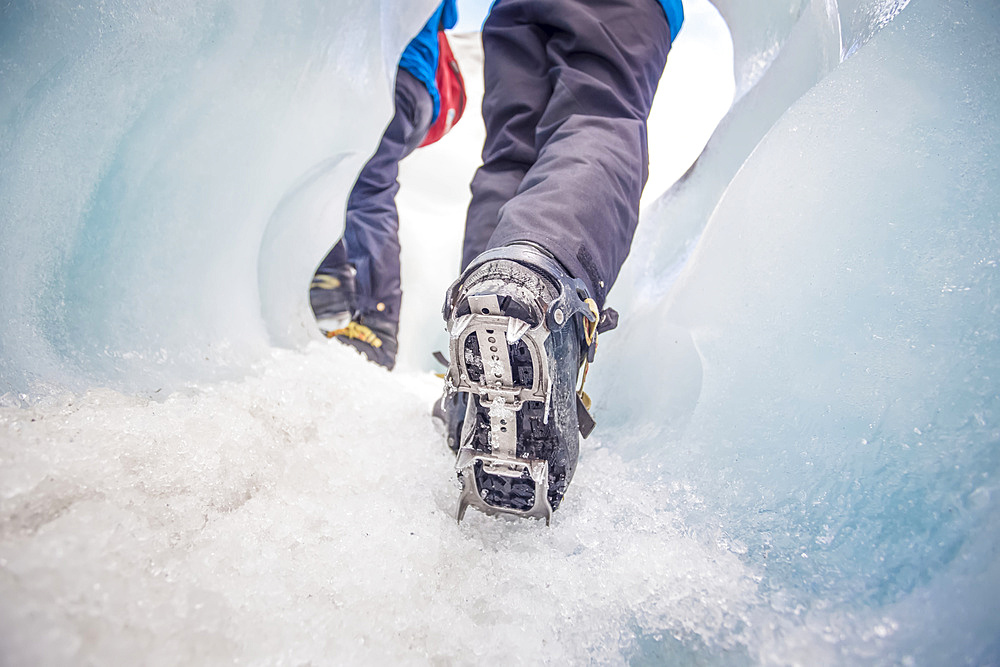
[{"x": 797, "y": 450}]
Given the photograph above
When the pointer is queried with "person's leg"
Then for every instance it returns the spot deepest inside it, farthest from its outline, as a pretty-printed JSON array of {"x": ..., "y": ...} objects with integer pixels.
[
  {"x": 371, "y": 234},
  {"x": 356, "y": 292},
  {"x": 336, "y": 257},
  {"x": 517, "y": 89},
  {"x": 523, "y": 316},
  {"x": 580, "y": 198}
]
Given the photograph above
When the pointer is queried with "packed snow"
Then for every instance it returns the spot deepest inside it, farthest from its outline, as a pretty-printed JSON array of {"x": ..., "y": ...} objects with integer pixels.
[{"x": 797, "y": 447}]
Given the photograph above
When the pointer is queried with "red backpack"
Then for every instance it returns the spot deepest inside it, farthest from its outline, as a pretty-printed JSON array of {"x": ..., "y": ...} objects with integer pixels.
[{"x": 451, "y": 88}]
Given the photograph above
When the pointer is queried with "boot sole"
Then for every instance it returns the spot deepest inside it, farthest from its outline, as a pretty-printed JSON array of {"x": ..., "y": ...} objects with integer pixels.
[{"x": 512, "y": 460}]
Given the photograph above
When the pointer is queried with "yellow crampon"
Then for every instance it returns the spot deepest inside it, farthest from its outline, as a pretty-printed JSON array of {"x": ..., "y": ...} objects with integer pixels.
[
  {"x": 357, "y": 331},
  {"x": 590, "y": 336}
]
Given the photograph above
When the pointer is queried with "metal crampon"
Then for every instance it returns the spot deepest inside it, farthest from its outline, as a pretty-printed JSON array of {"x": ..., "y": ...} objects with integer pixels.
[
  {"x": 501, "y": 360},
  {"x": 516, "y": 349}
]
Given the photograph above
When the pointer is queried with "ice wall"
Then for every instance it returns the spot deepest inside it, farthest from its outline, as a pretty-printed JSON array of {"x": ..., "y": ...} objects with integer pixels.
[
  {"x": 781, "y": 50},
  {"x": 145, "y": 151},
  {"x": 818, "y": 389},
  {"x": 826, "y": 367}
]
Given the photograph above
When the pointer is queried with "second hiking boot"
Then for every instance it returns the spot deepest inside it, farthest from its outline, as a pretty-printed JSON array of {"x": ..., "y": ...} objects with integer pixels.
[
  {"x": 374, "y": 336},
  {"x": 332, "y": 296}
]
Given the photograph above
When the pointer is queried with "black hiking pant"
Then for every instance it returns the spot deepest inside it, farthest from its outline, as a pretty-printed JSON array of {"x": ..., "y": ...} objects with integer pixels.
[
  {"x": 371, "y": 229},
  {"x": 569, "y": 85}
]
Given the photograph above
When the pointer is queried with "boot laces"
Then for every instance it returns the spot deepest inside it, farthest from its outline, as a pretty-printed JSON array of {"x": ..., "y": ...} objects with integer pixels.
[
  {"x": 357, "y": 331},
  {"x": 590, "y": 336}
]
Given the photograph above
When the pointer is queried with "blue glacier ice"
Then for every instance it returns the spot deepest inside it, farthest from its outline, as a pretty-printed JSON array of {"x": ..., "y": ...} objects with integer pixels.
[{"x": 799, "y": 417}]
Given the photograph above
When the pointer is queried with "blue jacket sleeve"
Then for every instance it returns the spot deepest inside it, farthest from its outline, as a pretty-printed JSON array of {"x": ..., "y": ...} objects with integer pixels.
[
  {"x": 420, "y": 58},
  {"x": 674, "y": 10},
  {"x": 449, "y": 14}
]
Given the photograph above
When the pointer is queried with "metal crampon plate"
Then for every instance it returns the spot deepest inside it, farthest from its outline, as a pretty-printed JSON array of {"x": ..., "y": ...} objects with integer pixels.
[
  {"x": 495, "y": 334},
  {"x": 485, "y": 476},
  {"x": 473, "y": 467}
]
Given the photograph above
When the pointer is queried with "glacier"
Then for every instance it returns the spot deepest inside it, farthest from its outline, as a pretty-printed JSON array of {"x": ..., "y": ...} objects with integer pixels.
[{"x": 798, "y": 418}]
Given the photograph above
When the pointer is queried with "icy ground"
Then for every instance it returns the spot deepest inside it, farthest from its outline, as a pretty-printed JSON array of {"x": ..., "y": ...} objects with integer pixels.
[
  {"x": 286, "y": 520},
  {"x": 798, "y": 448}
]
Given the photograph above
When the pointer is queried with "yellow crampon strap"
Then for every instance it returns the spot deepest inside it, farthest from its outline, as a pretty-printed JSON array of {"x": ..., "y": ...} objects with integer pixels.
[
  {"x": 590, "y": 336},
  {"x": 357, "y": 331}
]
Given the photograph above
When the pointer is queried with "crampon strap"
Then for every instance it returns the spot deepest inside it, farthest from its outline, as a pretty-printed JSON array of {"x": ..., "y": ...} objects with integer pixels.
[{"x": 357, "y": 331}]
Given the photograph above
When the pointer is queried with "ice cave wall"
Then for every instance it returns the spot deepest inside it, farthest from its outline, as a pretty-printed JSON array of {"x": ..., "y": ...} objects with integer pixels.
[
  {"x": 820, "y": 351},
  {"x": 144, "y": 153}
]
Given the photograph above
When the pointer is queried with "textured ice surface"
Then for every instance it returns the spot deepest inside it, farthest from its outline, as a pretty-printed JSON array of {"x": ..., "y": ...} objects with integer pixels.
[{"x": 797, "y": 447}]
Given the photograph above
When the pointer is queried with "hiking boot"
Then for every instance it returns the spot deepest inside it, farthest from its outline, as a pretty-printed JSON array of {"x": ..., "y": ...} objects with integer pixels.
[
  {"x": 518, "y": 329},
  {"x": 450, "y": 412},
  {"x": 373, "y": 336},
  {"x": 332, "y": 296}
]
